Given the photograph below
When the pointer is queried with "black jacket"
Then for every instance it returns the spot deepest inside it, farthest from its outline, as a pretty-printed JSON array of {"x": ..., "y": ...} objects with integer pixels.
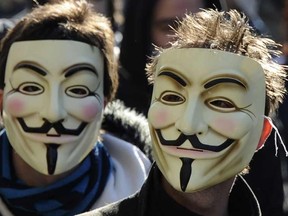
[{"x": 152, "y": 200}]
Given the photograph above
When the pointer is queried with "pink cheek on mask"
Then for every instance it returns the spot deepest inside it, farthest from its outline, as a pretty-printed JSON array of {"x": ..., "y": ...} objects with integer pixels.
[
  {"x": 90, "y": 111},
  {"x": 15, "y": 106},
  {"x": 226, "y": 125},
  {"x": 159, "y": 118}
]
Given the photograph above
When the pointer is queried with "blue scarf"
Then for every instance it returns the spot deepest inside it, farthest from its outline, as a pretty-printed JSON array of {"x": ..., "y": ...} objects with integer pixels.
[{"x": 72, "y": 195}]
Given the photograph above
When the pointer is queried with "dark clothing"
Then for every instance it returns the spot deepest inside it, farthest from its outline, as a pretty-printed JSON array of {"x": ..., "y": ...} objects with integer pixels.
[
  {"x": 266, "y": 180},
  {"x": 152, "y": 200}
]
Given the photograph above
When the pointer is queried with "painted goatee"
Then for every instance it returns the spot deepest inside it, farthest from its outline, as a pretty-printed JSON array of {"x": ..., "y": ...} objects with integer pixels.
[
  {"x": 185, "y": 172},
  {"x": 51, "y": 157}
]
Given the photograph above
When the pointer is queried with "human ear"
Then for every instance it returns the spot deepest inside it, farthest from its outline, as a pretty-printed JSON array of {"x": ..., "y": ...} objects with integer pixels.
[{"x": 267, "y": 128}]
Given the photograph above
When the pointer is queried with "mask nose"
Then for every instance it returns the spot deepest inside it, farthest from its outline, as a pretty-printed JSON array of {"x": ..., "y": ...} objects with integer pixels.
[
  {"x": 54, "y": 110},
  {"x": 192, "y": 122}
]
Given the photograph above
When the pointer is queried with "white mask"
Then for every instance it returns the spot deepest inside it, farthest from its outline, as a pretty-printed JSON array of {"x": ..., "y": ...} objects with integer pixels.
[
  {"x": 53, "y": 102},
  {"x": 206, "y": 115}
]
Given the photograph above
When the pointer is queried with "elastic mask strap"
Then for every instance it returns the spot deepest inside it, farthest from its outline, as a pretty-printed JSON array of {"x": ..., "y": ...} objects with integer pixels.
[{"x": 277, "y": 135}]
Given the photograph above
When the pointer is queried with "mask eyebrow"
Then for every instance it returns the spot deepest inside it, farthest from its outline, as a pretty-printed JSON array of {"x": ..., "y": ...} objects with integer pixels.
[
  {"x": 174, "y": 76},
  {"x": 223, "y": 80},
  {"x": 79, "y": 67},
  {"x": 31, "y": 66}
]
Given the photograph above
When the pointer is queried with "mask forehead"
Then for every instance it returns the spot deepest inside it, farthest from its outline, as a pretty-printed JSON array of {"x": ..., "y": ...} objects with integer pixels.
[
  {"x": 208, "y": 62},
  {"x": 189, "y": 107},
  {"x": 43, "y": 53},
  {"x": 53, "y": 102}
]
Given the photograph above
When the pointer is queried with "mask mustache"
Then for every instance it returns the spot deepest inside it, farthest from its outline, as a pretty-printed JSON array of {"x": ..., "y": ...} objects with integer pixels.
[
  {"x": 194, "y": 141},
  {"x": 47, "y": 126}
]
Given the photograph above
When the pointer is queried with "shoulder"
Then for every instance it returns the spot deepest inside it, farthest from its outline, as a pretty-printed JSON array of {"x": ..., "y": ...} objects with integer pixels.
[
  {"x": 130, "y": 169},
  {"x": 128, "y": 125},
  {"x": 126, "y": 155},
  {"x": 125, "y": 207}
]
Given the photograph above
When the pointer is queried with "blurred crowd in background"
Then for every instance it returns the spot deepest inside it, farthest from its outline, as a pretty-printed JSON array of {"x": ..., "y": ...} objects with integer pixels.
[
  {"x": 269, "y": 16},
  {"x": 140, "y": 23}
]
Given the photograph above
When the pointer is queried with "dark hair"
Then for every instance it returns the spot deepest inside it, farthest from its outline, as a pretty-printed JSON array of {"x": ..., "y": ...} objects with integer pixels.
[{"x": 66, "y": 20}]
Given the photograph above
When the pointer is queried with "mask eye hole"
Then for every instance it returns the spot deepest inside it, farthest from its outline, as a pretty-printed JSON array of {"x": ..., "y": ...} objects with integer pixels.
[
  {"x": 78, "y": 91},
  {"x": 31, "y": 88},
  {"x": 169, "y": 97},
  {"x": 222, "y": 104}
]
